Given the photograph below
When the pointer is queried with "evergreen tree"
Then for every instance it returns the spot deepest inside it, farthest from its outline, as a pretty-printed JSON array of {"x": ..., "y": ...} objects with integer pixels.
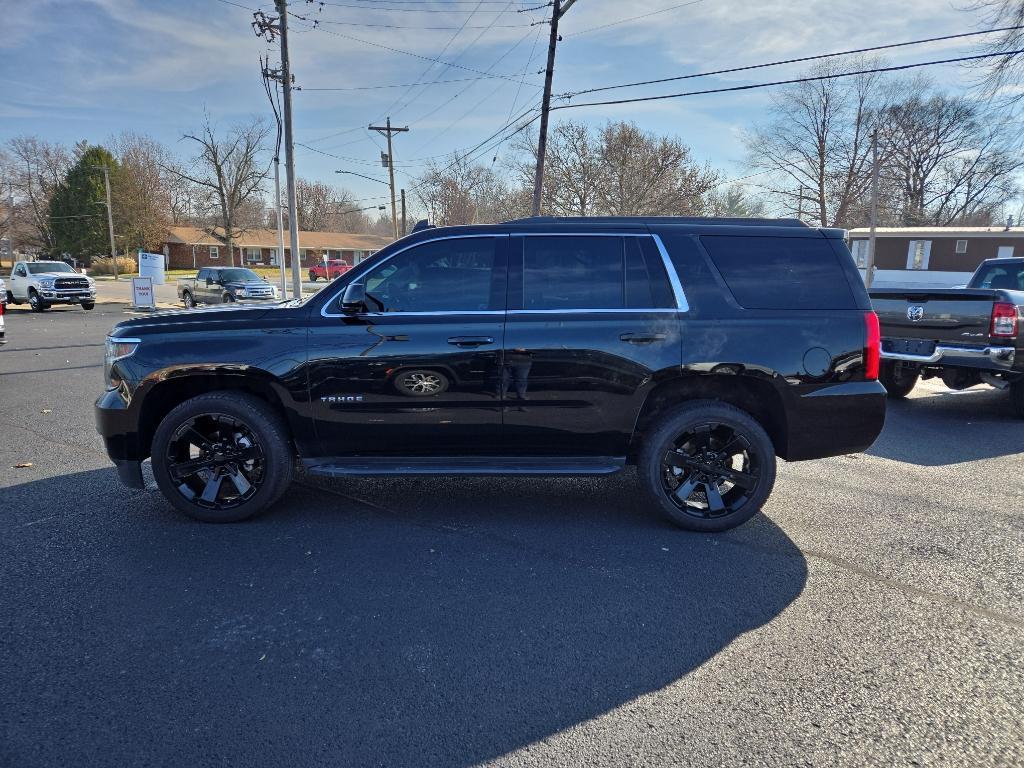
[{"x": 78, "y": 212}]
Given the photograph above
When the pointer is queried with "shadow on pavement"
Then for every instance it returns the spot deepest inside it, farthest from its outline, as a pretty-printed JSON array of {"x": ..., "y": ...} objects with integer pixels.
[
  {"x": 950, "y": 428},
  {"x": 439, "y": 622}
]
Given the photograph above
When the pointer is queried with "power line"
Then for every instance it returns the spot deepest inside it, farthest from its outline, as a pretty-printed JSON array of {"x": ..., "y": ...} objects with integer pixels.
[
  {"x": 791, "y": 81},
  {"x": 797, "y": 60},
  {"x": 420, "y": 26},
  {"x": 633, "y": 18},
  {"x": 407, "y": 85}
]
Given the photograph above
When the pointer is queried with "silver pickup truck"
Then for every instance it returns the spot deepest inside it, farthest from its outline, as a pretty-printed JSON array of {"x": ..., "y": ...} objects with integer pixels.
[
  {"x": 223, "y": 285},
  {"x": 965, "y": 336}
]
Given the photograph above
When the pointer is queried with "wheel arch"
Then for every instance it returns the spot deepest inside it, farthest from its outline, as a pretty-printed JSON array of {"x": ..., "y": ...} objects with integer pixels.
[
  {"x": 751, "y": 394},
  {"x": 168, "y": 393}
]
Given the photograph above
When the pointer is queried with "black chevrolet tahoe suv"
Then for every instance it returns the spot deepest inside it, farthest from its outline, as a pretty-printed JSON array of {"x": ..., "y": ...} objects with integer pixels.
[{"x": 697, "y": 350}]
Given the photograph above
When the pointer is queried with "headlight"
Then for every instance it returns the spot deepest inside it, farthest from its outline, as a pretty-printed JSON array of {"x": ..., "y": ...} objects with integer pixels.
[
  {"x": 273, "y": 291},
  {"x": 240, "y": 292},
  {"x": 46, "y": 282},
  {"x": 116, "y": 349},
  {"x": 92, "y": 283}
]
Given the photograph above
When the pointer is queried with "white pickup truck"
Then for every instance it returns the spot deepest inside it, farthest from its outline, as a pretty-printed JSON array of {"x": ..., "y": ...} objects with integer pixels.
[{"x": 45, "y": 283}]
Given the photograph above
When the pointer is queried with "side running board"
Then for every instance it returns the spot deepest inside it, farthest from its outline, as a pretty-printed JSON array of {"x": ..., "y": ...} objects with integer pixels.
[{"x": 374, "y": 466}]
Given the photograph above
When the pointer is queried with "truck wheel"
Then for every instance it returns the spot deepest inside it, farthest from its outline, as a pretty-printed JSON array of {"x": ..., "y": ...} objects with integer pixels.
[
  {"x": 1017, "y": 397},
  {"x": 708, "y": 466},
  {"x": 187, "y": 300},
  {"x": 898, "y": 380},
  {"x": 35, "y": 301},
  {"x": 312, "y": 277},
  {"x": 10, "y": 298},
  {"x": 222, "y": 457},
  {"x": 228, "y": 298},
  {"x": 88, "y": 305}
]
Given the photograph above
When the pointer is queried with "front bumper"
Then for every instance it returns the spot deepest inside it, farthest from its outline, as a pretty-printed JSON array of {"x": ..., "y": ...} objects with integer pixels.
[
  {"x": 117, "y": 424},
  {"x": 67, "y": 295},
  {"x": 834, "y": 420}
]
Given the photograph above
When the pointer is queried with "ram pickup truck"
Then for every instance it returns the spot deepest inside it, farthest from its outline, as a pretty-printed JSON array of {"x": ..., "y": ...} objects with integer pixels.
[
  {"x": 697, "y": 350},
  {"x": 44, "y": 283},
  {"x": 328, "y": 271},
  {"x": 223, "y": 285},
  {"x": 965, "y": 336}
]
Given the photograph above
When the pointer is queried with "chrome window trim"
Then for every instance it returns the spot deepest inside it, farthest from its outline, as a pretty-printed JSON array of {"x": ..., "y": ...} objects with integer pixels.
[
  {"x": 336, "y": 296},
  {"x": 665, "y": 310},
  {"x": 673, "y": 276},
  {"x": 682, "y": 305}
]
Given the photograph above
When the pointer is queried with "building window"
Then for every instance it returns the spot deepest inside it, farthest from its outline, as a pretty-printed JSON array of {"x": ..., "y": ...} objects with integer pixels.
[
  {"x": 214, "y": 252},
  {"x": 252, "y": 255},
  {"x": 303, "y": 255},
  {"x": 860, "y": 253},
  {"x": 1004, "y": 252},
  {"x": 918, "y": 253},
  {"x": 961, "y": 246}
]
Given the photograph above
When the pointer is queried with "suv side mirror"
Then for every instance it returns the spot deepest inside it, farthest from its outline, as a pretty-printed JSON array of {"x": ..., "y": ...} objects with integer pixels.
[{"x": 354, "y": 298}]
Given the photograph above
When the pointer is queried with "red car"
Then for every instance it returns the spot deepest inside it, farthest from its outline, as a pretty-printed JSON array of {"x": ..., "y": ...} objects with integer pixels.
[{"x": 328, "y": 271}]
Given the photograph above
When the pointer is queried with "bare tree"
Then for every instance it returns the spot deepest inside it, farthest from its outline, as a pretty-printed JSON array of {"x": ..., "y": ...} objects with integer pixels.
[
  {"x": 463, "y": 193},
  {"x": 816, "y": 143},
  {"x": 315, "y": 202},
  {"x": 573, "y": 171},
  {"x": 232, "y": 169},
  {"x": 140, "y": 197},
  {"x": 33, "y": 170},
  {"x": 1003, "y": 73},
  {"x": 947, "y": 160},
  {"x": 736, "y": 202}
]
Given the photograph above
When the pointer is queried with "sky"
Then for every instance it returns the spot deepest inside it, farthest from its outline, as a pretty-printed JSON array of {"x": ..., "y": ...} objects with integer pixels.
[{"x": 89, "y": 69}]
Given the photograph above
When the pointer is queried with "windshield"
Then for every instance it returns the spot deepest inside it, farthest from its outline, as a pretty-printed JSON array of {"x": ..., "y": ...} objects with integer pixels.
[
  {"x": 42, "y": 267},
  {"x": 238, "y": 275},
  {"x": 1009, "y": 277}
]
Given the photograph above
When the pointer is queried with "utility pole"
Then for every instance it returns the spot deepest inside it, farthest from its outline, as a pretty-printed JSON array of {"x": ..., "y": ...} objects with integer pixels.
[
  {"x": 275, "y": 75},
  {"x": 557, "y": 11},
  {"x": 110, "y": 219},
  {"x": 403, "y": 213},
  {"x": 389, "y": 163},
  {"x": 270, "y": 28},
  {"x": 800, "y": 204},
  {"x": 870, "y": 265}
]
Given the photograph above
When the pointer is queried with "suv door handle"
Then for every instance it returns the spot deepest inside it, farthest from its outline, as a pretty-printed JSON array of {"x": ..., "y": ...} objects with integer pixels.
[
  {"x": 470, "y": 341},
  {"x": 642, "y": 338}
]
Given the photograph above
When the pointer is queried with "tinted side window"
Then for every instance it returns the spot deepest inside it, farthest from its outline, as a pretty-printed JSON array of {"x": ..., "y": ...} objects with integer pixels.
[
  {"x": 453, "y": 275},
  {"x": 781, "y": 272},
  {"x": 203, "y": 274},
  {"x": 573, "y": 272},
  {"x": 647, "y": 285},
  {"x": 1006, "y": 277}
]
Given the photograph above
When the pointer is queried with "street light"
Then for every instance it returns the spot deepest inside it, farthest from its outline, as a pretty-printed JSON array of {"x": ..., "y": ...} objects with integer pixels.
[{"x": 353, "y": 173}]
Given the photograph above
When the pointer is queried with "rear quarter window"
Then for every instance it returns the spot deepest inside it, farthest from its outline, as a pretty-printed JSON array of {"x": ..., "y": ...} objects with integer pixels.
[{"x": 781, "y": 272}]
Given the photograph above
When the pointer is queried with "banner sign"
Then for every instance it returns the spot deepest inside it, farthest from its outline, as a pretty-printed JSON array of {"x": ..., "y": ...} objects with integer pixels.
[
  {"x": 152, "y": 265},
  {"x": 142, "y": 293}
]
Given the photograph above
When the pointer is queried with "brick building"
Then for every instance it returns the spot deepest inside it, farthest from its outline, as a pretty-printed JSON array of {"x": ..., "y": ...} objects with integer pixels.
[
  {"x": 190, "y": 247},
  {"x": 932, "y": 257}
]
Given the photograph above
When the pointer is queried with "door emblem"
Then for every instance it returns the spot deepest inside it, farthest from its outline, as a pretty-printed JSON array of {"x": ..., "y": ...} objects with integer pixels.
[{"x": 915, "y": 313}]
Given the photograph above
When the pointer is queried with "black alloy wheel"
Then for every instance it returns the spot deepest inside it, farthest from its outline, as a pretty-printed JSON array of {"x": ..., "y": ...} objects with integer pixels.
[
  {"x": 216, "y": 461},
  {"x": 710, "y": 466},
  {"x": 222, "y": 457},
  {"x": 711, "y": 470}
]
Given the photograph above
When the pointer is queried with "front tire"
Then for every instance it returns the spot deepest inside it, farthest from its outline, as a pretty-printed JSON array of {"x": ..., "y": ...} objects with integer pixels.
[
  {"x": 10, "y": 298},
  {"x": 897, "y": 379},
  {"x": 708, "y": 466},
  {"x": 87, "y": 305},
  {"x": 36, "y": 301},
  {"x": 228, "y": 299},
  {"x": 222, "y": 457}
]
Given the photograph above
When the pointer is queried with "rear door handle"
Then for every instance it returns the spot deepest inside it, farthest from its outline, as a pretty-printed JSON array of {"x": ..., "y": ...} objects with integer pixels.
[
  {"x": 470, "y": 341},
  {"x": 643, "y": 338}
]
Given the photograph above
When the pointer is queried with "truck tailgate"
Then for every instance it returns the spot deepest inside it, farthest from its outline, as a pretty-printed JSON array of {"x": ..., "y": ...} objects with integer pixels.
[{"x": 958, "y": 315}]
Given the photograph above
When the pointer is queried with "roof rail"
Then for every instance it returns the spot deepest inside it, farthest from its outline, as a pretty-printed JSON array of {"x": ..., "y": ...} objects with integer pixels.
[{"x": 696, "y": 220}]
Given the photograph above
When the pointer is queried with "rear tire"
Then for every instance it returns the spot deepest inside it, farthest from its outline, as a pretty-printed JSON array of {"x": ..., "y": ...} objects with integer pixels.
[
  {"x": 1017, "y": 398},
  {"x": 187, "y": 300},
  {"x": 707, "y": 466},
  {"x": 898, "y": 380},
  {"x": 241, "y": 446}
]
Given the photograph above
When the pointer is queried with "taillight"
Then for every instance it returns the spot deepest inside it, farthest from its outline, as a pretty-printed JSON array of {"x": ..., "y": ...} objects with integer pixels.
[
  {"x": 872, "y": 346},
  {"x": 3, "y": 308},
  {"x": 1004, "y": 319}
]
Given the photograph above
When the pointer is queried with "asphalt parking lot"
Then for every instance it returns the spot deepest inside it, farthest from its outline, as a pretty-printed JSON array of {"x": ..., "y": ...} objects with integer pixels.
[{"x": 873, "y": 616}]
